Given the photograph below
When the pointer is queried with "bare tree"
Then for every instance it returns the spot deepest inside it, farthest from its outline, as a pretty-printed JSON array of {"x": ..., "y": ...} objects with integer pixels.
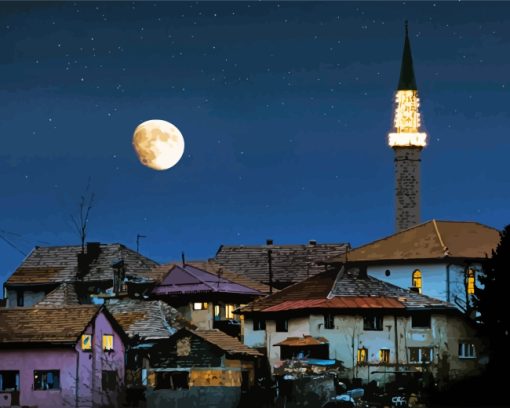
[{"x": 81, "y": 221}]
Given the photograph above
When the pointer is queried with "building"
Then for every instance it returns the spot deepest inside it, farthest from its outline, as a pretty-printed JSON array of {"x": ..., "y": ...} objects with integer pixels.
[
  {"x": 199, "y": 368},
  {"x": 101, "y": 269},
  {"x": 441, "y": 259},
  {"x": 207, "y": 294},
  {"x": 378, "y": 331},
  {"x": 277, "y": 265},
  {"x": 58, "y": 357},
  {"x": 407, "y": 140}
]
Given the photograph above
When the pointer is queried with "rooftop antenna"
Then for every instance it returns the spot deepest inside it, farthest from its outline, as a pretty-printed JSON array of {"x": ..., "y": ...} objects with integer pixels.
[
  {"x": 138, "y": 236},
  {"x": 183, "y": 259}
]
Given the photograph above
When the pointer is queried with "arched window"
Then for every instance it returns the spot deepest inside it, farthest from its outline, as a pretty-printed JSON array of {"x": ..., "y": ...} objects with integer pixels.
[
  {"x": 470, "y": 282},
  {"x": 416, "y": 280}
]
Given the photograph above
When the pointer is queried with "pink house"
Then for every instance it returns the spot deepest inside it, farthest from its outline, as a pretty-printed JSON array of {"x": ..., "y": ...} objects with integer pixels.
[{"x": 70, "y": 356}]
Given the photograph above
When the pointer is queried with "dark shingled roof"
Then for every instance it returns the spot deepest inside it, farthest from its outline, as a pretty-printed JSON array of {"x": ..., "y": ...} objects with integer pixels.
[
  {"x": 431, "y": 240},
  {"x": 45, "y": 325},
  {"x": 64, "y": 294},
  {"x": 57, "y": 264},
  {"x": 290, "y": 263},
  {"x": 147, "y": 320},
  {"x": 344, "y": 290}
]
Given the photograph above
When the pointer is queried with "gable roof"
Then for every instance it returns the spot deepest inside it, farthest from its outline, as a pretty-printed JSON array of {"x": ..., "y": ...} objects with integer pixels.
[
  {"x": 431, "y": 240},
  {"x": 344, "y": 290},
  {"x": 289, "y": 263},
  {"x": 57, "y": 264},
  {"x": 188, "y": 279},
  {"x": 45, "y": 325},
  {"x": 227, "y": 343},
  {"x": 64, "y": 294},
  {"x": 147, "y": 320}
]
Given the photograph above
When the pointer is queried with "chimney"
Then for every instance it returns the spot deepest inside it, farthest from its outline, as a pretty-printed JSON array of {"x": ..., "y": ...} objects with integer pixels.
[
  {"x": 119, "y": 273},
  {"x": 269, "y": 242},
  {"x": 312, "y": 242},
  {"x": 93, "y": 250},
  {"x": 83, "y": 264}
]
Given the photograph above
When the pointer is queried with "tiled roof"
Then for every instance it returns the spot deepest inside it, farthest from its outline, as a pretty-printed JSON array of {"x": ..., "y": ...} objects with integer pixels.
[
  {"x": 45, "y": 325},
  {"x": 344, "y": 290},
  {"x": 225, "y": 342},
  {"x": 147, "y": 319},
  {"x": 430, "y": 240},
  {"x": 303, "y": 341},
  {"x": 188, "y": 279},
  {"x": 64, "y": 294},
  {"x": 59, "y": 264},
  {"x": 290, "y": 263}
]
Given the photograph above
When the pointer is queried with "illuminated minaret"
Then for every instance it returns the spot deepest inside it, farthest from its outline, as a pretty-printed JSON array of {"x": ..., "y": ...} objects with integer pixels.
[{"x": 407, "y": 141}]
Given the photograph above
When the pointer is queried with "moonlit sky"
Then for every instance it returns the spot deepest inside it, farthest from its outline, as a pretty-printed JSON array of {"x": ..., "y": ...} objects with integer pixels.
[{"x": 284, "y": 108}]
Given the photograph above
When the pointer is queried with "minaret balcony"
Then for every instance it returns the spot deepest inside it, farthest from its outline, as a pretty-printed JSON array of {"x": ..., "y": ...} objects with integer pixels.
[{"x": 407, "y": 139}]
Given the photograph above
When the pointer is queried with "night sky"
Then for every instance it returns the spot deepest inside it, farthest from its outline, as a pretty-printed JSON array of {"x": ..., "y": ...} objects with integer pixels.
[{"x": 284, "y": 108}]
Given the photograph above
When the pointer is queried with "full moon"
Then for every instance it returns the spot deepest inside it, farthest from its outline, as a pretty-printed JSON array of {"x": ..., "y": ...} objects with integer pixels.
[{"x": 158, "y": 144}]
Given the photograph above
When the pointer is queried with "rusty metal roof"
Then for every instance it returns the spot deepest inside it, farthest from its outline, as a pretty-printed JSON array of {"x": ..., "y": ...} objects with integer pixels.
[
  {"x": 345, "y": 302},
  {"x": 290, "y": 263},
  {"x": 45, "y": 325},
  {"x": 58, "y": 264},
  {"x": 427, "y": 241},
  {"x": 225, "y": 342},
  {"x": 303, "y": 341}
]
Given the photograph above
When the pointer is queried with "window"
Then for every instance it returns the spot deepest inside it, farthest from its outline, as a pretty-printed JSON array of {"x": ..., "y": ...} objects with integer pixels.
[
  {"x": 416, "y": 280},
  {"x": 200, "y": 306},
  {"x": 259, "y": 324},
  {"x": 470, "y": 282},
  {"x": 9, "y": 380},
  {"x": 172, "y": 380},
  {"x": 108, "y": 342},
  {"x": 420, "y": 320},
  {"x": 384, "y": 356},
  {"x": 372, "y": 323},
  {"x": 362, "y": 355},
  {"x": 466, "y": 350},
  {"x": 229, "y": 311},
  {"x": 46, "y": 380},
  {"x": 282, "y": 325},
  {"x": 420, "y": 354},
  {"x": 86, "y": 342},
  {"x": 108, "y": 380},
  {"x": 20, "y": 298},
  {"x": 329, "y": 321},
  {"x": 217, "y": 312}
]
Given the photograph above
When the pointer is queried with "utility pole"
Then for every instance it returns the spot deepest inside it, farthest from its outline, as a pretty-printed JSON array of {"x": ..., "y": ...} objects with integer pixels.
[{"x": 138, "y": 236}]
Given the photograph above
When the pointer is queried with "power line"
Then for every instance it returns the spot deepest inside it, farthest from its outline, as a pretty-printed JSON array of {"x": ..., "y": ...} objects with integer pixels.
[{"x": 12, "y": 245}]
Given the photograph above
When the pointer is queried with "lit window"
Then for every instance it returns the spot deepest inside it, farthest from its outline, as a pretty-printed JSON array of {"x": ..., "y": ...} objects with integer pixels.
[
  {"x": 416, "y": 280},
  {"x": 86, "y": 341},
  {"x": 470, "y": 282},
  {"x": 200, "y": 306},
  {"x": 420, "y": 354},
  {"x": 229, "y": 311},
  {"x": 384, "y": 356},
  {"x": 466, "y": 350},
  {"x": 372, "y": 323},
  {"x": 329, "y": 321},
  {"x": 107, "y": 342},
  {"x": 46, "y": 380},
  {"x": 362, "y": 355}
]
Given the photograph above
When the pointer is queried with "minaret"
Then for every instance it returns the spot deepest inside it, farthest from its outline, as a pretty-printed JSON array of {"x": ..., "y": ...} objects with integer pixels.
[{"x": 407, "y": 141}]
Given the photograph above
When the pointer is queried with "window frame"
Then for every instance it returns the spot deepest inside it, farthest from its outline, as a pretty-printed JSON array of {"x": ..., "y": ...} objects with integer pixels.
[
  {"x": 106, "y": 383},
  {"x": 104, "y": 343},
  {"x": 384, "y": 356},
  {"x": 470, "y": 281},
  {"x": 420, "y": 355},
  {"x": 203, "y": 305},
  {"x": 16, "y": 380},
  {"x": 82, "y": 342},
  {"x": 259, "y": 324},
  {"x": 281, "y": 325},
  {"x": 20, "y": 298},
  {"x": 373, "y": 322},
  {"x": 465, "y": 346},
  {"x": 417, "y": 280},
  {"x": 362, "y": 356},
  {"x": 416, "y": 323},
  {"x": 329, "y": 321},
  {"x": 42, "y": 373}
]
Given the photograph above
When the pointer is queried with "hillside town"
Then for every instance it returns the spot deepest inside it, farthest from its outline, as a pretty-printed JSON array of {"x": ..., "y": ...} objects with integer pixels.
[{"x": 385, "y": 324}]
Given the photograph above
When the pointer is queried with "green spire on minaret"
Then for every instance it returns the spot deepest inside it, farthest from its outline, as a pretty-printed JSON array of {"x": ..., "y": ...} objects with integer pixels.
[{"x": 407, "y": 80}]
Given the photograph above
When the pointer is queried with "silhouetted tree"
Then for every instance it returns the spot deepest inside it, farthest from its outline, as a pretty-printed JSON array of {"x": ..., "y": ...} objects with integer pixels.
[
  {"x": 490, "y": 302},
  {"x": 81, "y": 221}
]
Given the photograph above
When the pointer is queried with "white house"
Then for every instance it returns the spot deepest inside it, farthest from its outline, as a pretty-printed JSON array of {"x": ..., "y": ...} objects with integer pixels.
[
  {"x": 375, "y": 328},
  {"x": 440, "y": 259}
]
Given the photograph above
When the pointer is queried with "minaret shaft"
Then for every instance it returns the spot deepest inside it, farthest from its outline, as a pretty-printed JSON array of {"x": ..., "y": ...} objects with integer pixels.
[{"x": 407, "y": 191}]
